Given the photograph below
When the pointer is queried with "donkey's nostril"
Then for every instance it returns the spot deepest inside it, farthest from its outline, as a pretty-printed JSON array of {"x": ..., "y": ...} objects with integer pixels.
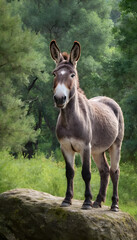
[
  {"x": 64, "y": 99},
  {"x": 59, "y": 100}
]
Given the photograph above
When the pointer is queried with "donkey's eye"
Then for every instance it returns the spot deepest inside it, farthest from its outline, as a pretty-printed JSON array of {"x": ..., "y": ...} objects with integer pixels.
[{"x": 72, "y": 75}]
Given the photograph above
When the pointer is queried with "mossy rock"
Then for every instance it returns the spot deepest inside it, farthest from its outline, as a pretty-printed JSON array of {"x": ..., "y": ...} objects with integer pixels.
[{"x": 31, "y": 215}]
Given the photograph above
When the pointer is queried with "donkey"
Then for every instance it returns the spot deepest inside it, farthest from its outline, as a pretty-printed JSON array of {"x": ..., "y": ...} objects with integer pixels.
[{"x": 86, "y": 126}]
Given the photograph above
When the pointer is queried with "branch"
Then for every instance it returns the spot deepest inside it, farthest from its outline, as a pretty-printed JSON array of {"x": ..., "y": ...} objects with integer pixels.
[
  {"x": 32, "y": 84},
  {"x": 3, "y": 64},
  {"x": 31, "y": 100}
]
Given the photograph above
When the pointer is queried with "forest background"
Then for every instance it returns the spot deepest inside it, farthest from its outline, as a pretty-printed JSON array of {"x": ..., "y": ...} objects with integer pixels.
[{"x": 107, "y": 32}]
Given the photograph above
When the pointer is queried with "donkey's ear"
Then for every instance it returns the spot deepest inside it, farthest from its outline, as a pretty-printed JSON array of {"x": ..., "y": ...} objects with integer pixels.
[
  {"x": 75, "y": 53},
  {"x": 55, "y": 52}
]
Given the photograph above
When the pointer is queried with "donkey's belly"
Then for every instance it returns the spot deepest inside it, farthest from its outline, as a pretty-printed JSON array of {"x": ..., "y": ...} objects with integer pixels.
[{"x": 104, "y": 137}]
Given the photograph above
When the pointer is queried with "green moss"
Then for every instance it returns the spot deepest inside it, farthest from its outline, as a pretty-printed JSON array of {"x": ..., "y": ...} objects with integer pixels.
[{"x": 59, "y": 213}]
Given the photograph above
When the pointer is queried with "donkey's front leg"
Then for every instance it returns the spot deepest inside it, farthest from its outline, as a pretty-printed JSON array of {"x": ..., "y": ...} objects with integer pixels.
[
  {"x": 86, "y": 174},
  {"x": 69, "y": 159}
]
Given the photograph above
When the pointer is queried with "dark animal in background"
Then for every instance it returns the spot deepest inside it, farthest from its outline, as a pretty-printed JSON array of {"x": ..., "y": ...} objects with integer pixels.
[{"x": 87, "y": 126}]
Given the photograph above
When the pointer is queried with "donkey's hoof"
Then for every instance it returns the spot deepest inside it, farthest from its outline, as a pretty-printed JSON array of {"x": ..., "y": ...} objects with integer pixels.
[
  {"x": 114, "y": 208},
  {"x": 96, "y": 205},
  {"x": 86, "y": 207},
  {"x": 65, "y": 204}
]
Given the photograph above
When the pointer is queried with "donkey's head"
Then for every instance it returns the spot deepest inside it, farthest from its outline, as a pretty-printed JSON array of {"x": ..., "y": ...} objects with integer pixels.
[{"x": 65, "y": 73}]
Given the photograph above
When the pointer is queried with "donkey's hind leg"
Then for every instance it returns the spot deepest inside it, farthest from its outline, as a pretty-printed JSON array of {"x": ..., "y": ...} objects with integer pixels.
[
  {"x": 114, "y": 173},
  {"x": 102, "y": 164}
]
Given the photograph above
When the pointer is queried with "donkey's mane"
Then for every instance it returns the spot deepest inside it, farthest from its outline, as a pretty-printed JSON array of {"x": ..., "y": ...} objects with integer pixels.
[
  {"x": 81, "y": 91},
  {"x": 65, "y": 56}
]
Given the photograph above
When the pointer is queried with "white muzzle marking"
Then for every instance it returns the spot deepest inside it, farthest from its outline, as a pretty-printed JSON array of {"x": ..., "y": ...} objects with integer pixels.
[{"x": 61, "y": 90}]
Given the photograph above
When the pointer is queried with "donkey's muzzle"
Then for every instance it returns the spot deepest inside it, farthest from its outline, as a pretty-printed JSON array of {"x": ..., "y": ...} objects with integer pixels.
[{"x": 60, "y": 101}]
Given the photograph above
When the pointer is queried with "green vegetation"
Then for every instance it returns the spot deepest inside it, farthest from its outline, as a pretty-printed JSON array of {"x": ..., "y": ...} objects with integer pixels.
[
  {"x": 106, "y": 31},
  {"x": 47, "y": 175},
  {"x": 20, "y": 62}
]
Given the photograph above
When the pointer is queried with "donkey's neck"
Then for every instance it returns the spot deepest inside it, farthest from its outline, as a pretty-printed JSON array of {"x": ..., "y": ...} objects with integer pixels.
[{"x": 71, "y": 109}]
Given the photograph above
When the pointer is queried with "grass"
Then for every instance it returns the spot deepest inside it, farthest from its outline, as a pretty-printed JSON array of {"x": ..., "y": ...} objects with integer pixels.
[{"x": 47, "y": 175}]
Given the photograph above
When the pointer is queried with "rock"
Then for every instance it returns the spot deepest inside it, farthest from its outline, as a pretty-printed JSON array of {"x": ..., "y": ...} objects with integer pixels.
[{"x": 31, "y": 215}]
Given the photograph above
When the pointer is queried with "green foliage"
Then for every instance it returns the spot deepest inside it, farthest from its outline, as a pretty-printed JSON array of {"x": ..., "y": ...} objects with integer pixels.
[
  {"x": 20, "y": 60},
  {"x": 128, "y": 5},
  {"x": 20, "y": 49},
  {"x": 47, "y": 175},
  {"x": 115, "y": 12},
  {"x": 16, "y": 128},
  {"x": 84, "y": 21},
  {"x": 124, "y": 73},
  {"x": 108, "y": 65},
  {"x": 129, "y": 104}
]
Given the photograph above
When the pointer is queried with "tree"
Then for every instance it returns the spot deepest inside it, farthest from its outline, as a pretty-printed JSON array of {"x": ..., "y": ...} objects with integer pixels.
[
  {"x": 20, "y": 61},
  {"x": 123, "y": 71},
  {"x": 127, "y": 39},
  {"x": 115, "y": 12}
]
